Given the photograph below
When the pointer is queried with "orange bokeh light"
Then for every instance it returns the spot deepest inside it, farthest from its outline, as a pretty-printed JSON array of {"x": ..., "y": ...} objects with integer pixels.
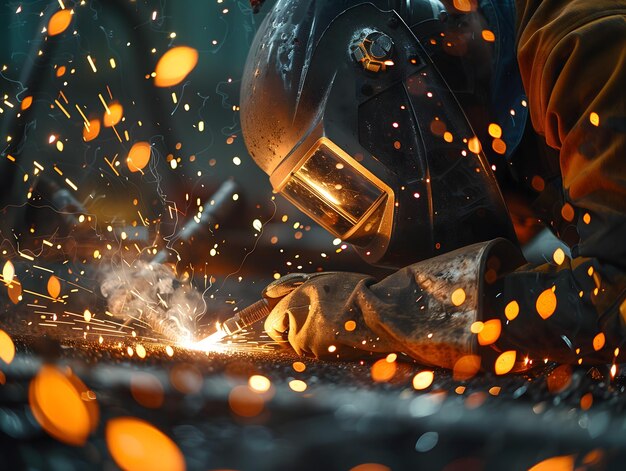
[
  {"x": 175, "y": 65},
  {"x": 7, "y": 347},
  {"x": 113, "y": 116},
  {"x": 137, "y": 445},
  {"x": 26, "y": 102},
  {"x": 245, "y": 402},
  {"x": 499, "y": 146},
  {"x": 495, "y": 131},
  {"x": 15, "y": 292},
  {"x": 63, "y": 405},
  {"x": 559, "y": 379},
  {"x": 186, "y": 378},
  {"x": 505, "y": 362},
  {"x": 546, "y": 303},
  {"x": 59, "y": 22},
  {"x": 458, "y": 296},
  {"x": 382, "y": 371},
  {"x": 463, "y": 5},
  {"x": 586, "y": 401},
  {"x": 466, "y": 367},
  {"x": 138, "y": 157},
  {"x": 423, "y": 379},
  {"x": 349, "y": 326},
  {"x": 54, "y": 287},
  {"x": 93, "y": 131},
  {"x": 147, "y": 390},
  {"x": 8, "y": 272},
  {"x": 474, "y": 145},
  {"x": 259, "y": 383},
  {"x": 298, "y": 385},
  {"x": 490, "y": 332},
  {"x": 511, "y": 310},
  {"x": 556, "y": 463},
  {"x": 567, "y": 211},
  {"x": 371, "y": 467},
  {"x": 488, "y": 35},
  {"x": 558, "y": 256},
  {"x": 599, "y": 341}
]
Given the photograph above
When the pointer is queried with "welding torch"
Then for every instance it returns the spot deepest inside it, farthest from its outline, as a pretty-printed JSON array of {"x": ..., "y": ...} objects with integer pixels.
[{"x": 259, "y": 310}]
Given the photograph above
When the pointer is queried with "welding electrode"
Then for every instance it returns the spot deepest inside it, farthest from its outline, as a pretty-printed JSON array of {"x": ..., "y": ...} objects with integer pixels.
[
  {"x": 218, "y": 205},
  {"x": 246, "y": 317},
  {"x": 272, "y": 294}
]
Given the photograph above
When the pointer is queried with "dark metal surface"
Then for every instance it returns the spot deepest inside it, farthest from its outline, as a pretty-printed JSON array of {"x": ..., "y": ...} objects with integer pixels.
[{"x": 343, "y": 419}]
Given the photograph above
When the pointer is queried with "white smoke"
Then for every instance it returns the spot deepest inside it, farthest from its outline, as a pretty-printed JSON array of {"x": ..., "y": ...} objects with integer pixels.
[{"x": 150, "y": 293}]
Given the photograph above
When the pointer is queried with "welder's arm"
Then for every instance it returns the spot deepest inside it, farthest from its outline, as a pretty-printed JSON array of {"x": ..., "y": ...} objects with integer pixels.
[
  {"x": 425, "y": 310},
  {"x": 572, "y": 313},
  {"x": 572, "y": 58}
]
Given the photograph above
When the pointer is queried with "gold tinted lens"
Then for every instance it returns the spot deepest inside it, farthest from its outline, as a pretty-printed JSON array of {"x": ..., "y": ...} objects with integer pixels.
[{"x": 332, "y": 191}]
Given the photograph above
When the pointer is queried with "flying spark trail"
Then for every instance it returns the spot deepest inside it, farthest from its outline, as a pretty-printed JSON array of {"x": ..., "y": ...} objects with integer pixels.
[{"x": 88, "y": 222}]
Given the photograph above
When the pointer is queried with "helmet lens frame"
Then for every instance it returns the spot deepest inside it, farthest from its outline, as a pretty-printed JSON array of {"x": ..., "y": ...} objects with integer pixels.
[{"x": 341, "y": 195}]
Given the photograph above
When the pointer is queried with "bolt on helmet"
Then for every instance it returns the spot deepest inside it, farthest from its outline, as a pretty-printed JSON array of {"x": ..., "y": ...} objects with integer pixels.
[{"x": 344, "y": 104}]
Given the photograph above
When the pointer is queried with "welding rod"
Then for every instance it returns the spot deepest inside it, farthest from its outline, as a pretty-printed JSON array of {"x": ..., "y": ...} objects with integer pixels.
[
  {"x": 246, "y": 317},
  {"x": 272, "y": 294},
  {"x": 214, "y": 207}
]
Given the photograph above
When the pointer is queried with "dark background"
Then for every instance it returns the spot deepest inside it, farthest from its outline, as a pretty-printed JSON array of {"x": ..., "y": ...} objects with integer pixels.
[{"x": 344, "y": 419}]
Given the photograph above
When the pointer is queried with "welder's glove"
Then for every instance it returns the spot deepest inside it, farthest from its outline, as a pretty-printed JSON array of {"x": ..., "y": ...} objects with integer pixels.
[{"x": 424, "y": 310}]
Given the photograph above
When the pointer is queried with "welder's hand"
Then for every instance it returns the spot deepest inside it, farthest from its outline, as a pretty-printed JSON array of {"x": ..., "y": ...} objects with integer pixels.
[
  {"x": 322, "y": 317},
  {"x": 424, "y": 310}
]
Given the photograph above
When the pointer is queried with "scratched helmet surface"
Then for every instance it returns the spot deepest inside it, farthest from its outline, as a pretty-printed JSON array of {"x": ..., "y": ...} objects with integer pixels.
[{"x": 369, "y": 117}]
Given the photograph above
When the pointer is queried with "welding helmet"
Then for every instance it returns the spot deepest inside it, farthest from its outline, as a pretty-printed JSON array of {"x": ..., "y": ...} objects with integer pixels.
[{"x": 344, "y": 104}]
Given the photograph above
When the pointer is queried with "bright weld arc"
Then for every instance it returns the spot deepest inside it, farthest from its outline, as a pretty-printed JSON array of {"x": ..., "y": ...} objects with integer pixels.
[{"x": 210, "y": 343}]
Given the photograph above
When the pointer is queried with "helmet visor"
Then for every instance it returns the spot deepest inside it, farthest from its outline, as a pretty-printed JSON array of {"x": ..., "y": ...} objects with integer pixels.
[{"x": 336, "y": 191}]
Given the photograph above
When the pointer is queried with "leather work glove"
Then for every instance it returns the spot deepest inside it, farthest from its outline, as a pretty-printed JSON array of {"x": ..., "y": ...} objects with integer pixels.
[{"x": 424, "y": 310}]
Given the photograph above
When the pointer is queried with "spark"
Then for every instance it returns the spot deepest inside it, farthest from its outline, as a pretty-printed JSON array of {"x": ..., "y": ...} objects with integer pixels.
[
  {"x": 62, "y": 109},
  {"x": 210, "y": 343},
  {"x": 83, "y": 116},
  {"x": 71, "y": 184},
  {"x": 91, "y": 63},
  {"x": 26, "y": 256},
  {"x": 117, "y": 134},
  {"x": 104, "y": 103},
  {"x": 112, "y": 167}
]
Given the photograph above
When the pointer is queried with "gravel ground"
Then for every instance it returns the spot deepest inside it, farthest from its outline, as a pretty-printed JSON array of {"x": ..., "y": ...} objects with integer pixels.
[{"x": 343, "y": 419}]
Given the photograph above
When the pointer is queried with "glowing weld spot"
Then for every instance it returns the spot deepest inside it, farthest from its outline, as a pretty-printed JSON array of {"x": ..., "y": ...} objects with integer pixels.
[{"x": 210, "y": 343}]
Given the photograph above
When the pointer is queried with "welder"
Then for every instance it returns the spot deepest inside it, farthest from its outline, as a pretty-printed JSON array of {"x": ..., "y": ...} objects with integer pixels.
[{"x": 398, "y": 126}]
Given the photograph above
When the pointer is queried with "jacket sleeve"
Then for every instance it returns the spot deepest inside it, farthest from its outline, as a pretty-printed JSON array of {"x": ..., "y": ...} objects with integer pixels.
[
  {"x": 572, "y": 57},
  {"x": 428, "y": 310}
]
